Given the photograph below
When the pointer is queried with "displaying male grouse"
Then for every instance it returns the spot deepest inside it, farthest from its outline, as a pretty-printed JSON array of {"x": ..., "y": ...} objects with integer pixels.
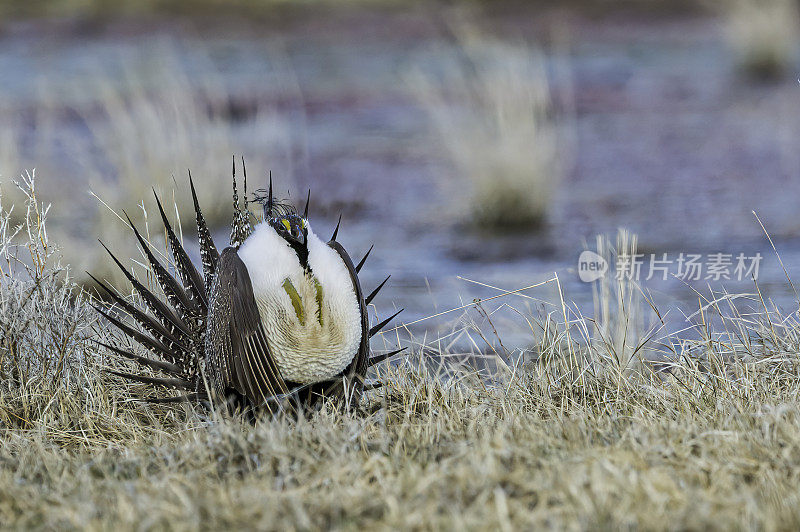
[{"x": 277, "y": 319}]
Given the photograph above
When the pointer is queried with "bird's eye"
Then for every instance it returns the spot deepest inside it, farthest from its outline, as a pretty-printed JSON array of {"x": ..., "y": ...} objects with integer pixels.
[{"x": 287, "y": 225}]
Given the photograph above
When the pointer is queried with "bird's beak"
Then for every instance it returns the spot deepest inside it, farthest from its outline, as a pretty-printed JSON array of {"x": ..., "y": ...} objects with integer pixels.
[{"x": 298, "y": 236}]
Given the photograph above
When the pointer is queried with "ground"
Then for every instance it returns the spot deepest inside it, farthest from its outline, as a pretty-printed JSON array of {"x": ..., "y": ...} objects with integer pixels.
[{"x": 449, "y": 457}]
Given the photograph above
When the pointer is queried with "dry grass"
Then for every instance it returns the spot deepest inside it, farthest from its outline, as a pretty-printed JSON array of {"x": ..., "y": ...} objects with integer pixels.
[
  {"x": 566, "y": 440},
  {"x": 491, "y": 106},
  {"x": 765, "y": 36}
]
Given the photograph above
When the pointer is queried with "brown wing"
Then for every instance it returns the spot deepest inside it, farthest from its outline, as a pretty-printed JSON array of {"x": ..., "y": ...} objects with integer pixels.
[{"x": 238, "y": 355}]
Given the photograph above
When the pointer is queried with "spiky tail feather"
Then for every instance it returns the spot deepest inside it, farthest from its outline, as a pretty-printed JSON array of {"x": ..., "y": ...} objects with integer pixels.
[{"x": 241, "y": 226}]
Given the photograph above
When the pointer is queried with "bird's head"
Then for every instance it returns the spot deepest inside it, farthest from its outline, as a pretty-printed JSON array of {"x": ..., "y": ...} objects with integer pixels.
[
  {"x": 292, "y": 228},
  {"x": 285, "y": 220}
]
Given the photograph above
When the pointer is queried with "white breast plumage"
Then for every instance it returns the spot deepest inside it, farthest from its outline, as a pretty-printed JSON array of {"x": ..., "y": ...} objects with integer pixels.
[{"x": 312, "y": 320}]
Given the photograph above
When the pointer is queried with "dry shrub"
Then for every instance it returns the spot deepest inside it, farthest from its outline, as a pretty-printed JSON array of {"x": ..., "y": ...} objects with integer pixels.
[{"x": 51, "y": 378}]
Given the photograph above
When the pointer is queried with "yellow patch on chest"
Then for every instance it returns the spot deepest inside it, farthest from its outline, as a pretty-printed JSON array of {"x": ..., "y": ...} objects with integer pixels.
[{"x": 297, "y": 302}]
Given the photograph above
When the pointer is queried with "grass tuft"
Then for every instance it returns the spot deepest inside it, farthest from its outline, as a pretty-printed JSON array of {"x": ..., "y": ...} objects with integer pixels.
[
  {"x": 764, "y": 35},
  {"x": 491, "y": 107}
]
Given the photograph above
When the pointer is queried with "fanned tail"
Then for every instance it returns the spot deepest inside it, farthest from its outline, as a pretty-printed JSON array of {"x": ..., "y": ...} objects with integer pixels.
[{"x": 171, "y": 331}]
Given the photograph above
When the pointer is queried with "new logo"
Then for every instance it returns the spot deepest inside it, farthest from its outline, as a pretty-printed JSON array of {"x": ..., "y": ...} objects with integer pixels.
[{"x": 591, "y": 266}]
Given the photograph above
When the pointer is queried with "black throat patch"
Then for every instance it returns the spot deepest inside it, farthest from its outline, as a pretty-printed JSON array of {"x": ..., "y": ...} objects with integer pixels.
[{"x": 302, "y": 254}]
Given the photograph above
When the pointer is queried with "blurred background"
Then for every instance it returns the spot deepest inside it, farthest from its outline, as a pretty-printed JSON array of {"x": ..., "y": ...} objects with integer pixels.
[{"x": 487, "y": 141}]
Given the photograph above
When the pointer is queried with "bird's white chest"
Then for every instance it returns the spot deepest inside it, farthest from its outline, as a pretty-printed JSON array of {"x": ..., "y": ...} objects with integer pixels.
[{"x": 312, "y": 321}]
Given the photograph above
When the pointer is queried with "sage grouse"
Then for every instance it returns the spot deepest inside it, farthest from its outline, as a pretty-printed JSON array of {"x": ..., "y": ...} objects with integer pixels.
[{"x": 277, "y": 318}]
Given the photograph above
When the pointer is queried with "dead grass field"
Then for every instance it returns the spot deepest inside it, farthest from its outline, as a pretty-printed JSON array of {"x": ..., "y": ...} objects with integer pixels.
[{"x": 583, "y": 435}]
